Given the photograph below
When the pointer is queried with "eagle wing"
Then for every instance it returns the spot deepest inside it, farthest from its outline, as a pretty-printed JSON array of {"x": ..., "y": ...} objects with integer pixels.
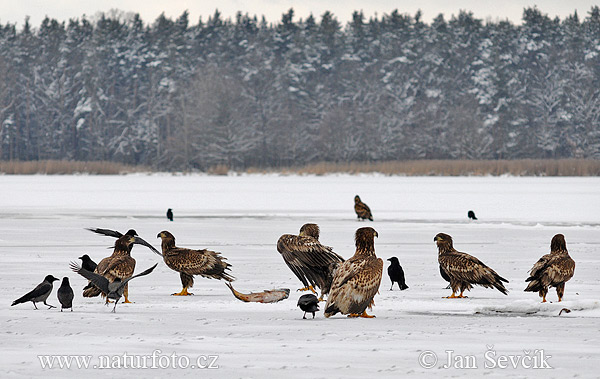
[
  {"x": 207, "y": 263},
  {"x": 363, "y": 210},
  {"x": 98, "y": 280},
  {"x": 121, "y": 267},
  {"x": 552, "y": 269},
  {"x": 308, "y": 259},
  {"x": 354, "y": 286},
  {"x": 464, "y": 267}
]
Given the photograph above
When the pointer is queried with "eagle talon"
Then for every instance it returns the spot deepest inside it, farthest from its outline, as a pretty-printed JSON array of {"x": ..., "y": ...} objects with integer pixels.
[{"x": 184, "y": 292}]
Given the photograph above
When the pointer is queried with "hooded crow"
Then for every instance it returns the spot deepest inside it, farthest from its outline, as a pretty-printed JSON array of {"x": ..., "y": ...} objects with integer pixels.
[{"x": 39, "y": 294}]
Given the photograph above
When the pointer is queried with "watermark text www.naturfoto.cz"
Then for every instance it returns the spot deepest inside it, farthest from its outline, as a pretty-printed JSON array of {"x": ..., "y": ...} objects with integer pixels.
[
  {"x": 491, "y": 359},
  {"x": 156, "y": 360}
]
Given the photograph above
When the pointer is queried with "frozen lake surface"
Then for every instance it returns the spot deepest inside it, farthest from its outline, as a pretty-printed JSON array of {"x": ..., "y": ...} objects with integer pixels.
[{"x": 42, "y": 228}]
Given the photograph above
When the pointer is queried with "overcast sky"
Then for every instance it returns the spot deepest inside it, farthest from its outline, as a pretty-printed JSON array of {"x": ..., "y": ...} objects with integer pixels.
[{"x": 15, "y": 11}]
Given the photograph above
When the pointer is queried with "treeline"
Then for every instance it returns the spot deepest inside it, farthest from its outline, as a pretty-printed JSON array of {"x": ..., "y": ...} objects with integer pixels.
[{"x": 242, "y": 93}]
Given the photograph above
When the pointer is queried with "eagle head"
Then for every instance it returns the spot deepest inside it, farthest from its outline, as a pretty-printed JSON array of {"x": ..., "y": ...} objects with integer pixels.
[
  {"x": 443, "y": 240},
  {"x": 310, "y": 230},
  {"x": 558, "y": 243},
  {"x": 365, "y": 239},
  {"x": 356, "y": 199}
]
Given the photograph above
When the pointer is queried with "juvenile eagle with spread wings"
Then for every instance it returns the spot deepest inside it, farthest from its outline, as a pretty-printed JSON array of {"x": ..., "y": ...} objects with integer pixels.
[
  {"x": 357, "y": 280},
  {"x": 465, "y": 270},
  {"x": 552, "y": 270},
  {"x": 188, "y": 262},
  {"x": 120, "y": 265},
  {"x": 311, "y": 262},
  {"x": 363, "y": 212}
]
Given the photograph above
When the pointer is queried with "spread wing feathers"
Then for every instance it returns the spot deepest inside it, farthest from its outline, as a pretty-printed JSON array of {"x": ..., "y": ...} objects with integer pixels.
[
  {"x": 91, "y": 290},
  {"x": 363, "y": 211},
  {"x": 99, "y": 281},
  {"x": 311, "y": 262},
  {"x": 467, "y": 270},
  {"x": 550, "y": 271},
  {"x": 38, "y": 291},
  {"x": 189, "y": 262},
  {"x": 354, "y": 286},
  {"x": 106, "y": 232}
]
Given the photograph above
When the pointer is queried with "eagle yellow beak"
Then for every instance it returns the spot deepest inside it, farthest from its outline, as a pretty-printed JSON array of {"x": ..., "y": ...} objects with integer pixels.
[
  {"x": 159, "y": 235},
  {"x": 376, "y": 234}
]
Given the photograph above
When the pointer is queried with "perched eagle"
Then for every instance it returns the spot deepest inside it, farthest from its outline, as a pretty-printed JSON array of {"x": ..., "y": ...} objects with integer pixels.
[
  {"x": 188, "y": 262},
  {"x": 311, "y": 262},
  {"x": 362, "y": 210},
  {"x": 357, "y": 280},
  {"x": 120, "y": 265},
  {"x": 465, "y": 270},
  {"x": 552, "y": 270}
]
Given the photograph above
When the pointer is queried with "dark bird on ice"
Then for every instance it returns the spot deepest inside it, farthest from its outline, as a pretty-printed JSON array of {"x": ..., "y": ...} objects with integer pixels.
[
  {"x": 471, "y": 215},
  {"x": 445, "y": 276},
  {"x": 87, "y": 263},
  {"x": 131, "y": 232},
  {"x": 363, "y": 212},
  {"x": 552, "y": 270},
  {"x": 39, "y": 294},
  {"x": 189, "y": 262},
  {"x": 120, "y": 265},
  {"x": 313, "y": 263},
  {"x": 308, "y": 303},
  {"x": 170, "y": 214},
  {"x": 465, "y": 270},
  {"x": 114, "y": 289},
  {"x": 65, "y": 295},
  {"x": 396, "y": 274},
  {"x": 357, "y": 280}
]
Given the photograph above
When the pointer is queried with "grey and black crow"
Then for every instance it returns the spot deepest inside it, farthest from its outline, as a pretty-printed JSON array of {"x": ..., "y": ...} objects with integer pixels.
[
  {"x": 130, "y": 232},
  {"x": 396, "y": 274},
  {"x": 471, "y": 215},
  {"x": 113, "y": 290},
  {"x": 308, "y": 303},
  {"x": 170, "y": 214},
  {"x": 65, "y": 295},
  {"x": 39, "y": 294},
  {"x": 87, "y": 263}
]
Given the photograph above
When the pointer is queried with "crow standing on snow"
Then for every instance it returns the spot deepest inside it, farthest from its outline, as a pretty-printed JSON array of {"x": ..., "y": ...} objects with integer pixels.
[
  {"x": 65, "y": 295},
  {"x": 396, "y": 274},
  {"x": 87, "y": 263},
  {"x": 39, "y": 294},
  {"x": 471, "y": 215},
  {"x": 170, "y": 214},
  {"x": 113, "y": 290},
  {"x": 308, "y": 303}
]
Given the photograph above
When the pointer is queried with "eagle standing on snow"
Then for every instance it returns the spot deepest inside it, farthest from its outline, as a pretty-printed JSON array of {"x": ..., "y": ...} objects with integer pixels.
[
  {"x": 120, "y": 265},
  {"x": 311, "y": 262},
  {"x": 363, "y": 212},
  {"x": 552, "y": 270},
  {"x": 188, "y": 262},
  {"x": 357, "y": 280},
  {"x": 465, "y": 270}
]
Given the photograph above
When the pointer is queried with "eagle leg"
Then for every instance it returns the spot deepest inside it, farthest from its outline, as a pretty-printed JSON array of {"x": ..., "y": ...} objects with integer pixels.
[
  {"x": 126, "y": 293},
  {"x": 309, "y": 288},
  {"x": 184, "y": 292}
]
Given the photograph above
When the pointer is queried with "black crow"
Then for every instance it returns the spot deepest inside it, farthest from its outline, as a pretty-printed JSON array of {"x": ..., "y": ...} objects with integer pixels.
[
  {"x": 170, "y": 214},
  {"x": 87, "y": 263},
  {"x": 113, "y": 290},
  {"x": 38, "y": 294},
  {"x": 130, "y": 232},
  {"x": 471, "y": 215},
  {"x": 65, "y": 295},
  {"x": 308, "y": 303},
  {"x": 396, "y": 274}
]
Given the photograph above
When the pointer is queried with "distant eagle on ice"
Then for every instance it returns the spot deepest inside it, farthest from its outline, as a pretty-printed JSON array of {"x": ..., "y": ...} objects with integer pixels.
[
  {"x": 363, "y": 212},
  {"x": 465, "y": 270},
  {"x": 311, "y": 262},
  {"x": 189, "y": 262},
  {"x": 357, "y": 280},
  {"x": 552, "y": 270}
]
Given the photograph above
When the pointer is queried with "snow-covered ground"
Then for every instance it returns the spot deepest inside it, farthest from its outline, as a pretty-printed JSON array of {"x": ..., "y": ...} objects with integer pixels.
[{"x": 42, "y": 228}]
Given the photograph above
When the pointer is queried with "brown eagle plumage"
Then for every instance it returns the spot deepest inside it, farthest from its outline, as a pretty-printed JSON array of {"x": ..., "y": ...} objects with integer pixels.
[
  {"x": 465, "y": 270},
  {"x": 363, "y": 212},
  {"x": 119, "y": 265},
  {"x": 357, "y": 280},
  {"x": 552, "y": 270},
  {"x": 311, "y": 262},
  {"x": 189, "y": 262}
]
